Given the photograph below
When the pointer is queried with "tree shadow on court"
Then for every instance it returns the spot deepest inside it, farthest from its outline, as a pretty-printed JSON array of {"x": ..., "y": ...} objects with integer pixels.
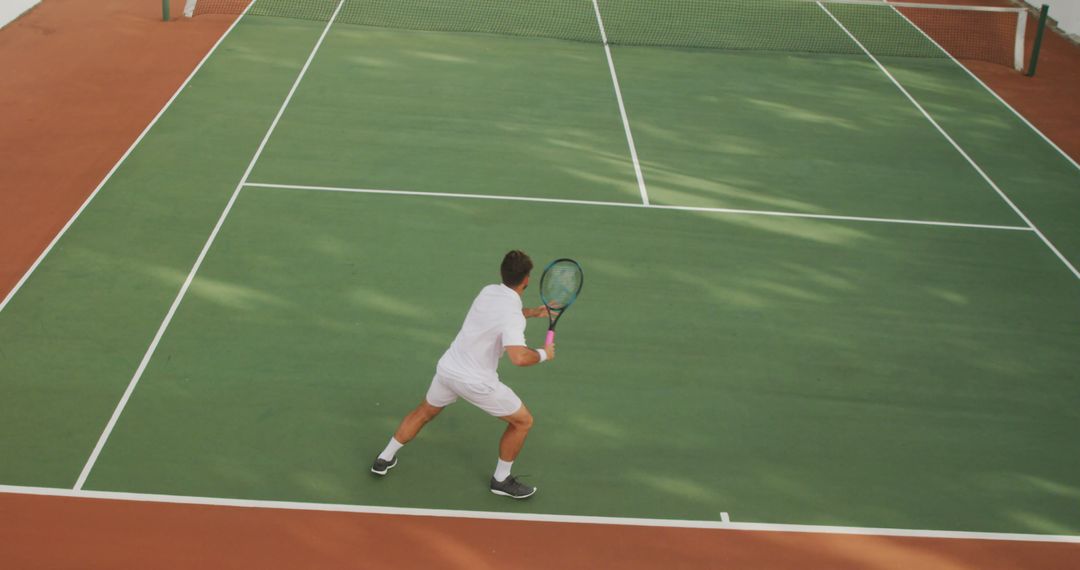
[
  {"x": 780, "y": 370},
  {"x": 809, "y": 134},
  {"x": 455, "y": 113},
  {"x": 861, "y": 387}
]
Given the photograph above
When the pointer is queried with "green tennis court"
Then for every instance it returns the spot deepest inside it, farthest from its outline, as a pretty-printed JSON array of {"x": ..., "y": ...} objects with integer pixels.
[{"x": 833, "y": 296}]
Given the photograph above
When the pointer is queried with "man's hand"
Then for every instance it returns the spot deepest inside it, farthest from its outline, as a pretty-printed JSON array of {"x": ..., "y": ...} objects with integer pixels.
[
  {"x": 535, "y": 313},
  {"x": 550, "y": 350}
]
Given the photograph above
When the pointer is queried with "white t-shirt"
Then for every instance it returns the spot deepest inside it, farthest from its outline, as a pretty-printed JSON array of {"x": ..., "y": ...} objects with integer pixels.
[{"x": 494, "y": 322}]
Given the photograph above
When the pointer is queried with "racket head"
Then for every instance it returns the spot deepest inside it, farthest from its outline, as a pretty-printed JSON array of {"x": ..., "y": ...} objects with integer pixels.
[{"x": 560, "y": 285}]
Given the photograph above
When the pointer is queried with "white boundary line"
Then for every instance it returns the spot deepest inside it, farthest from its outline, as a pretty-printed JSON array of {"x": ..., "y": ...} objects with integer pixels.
[
  {"x": 635, "y": 205},
  {"x": 955, "y": 145},
  {"x": 991, "y": 91},
  {"x": 533, "y": 517},
  {"x": 622, "y": 108},
  {"x": 116, "y": 166},
  {"x": 198, "y": 263},
  {"x": 963, "y": 7}
]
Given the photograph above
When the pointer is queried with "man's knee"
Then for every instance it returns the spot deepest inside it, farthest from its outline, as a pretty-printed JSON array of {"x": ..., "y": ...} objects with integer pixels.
[
  {"x": 426, "y": 411},
  {"x": 523, "y": 419}
]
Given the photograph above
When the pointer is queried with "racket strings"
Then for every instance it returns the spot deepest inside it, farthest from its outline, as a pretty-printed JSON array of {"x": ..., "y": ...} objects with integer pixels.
[{"x": 561, "y": 284}]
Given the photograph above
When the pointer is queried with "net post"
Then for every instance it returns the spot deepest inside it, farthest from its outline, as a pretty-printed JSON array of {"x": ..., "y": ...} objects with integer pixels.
[
  {"x": 1018, "y": 48},
  {"x": 1038, "y": 40},
  {"x": 165, "y": 10}
]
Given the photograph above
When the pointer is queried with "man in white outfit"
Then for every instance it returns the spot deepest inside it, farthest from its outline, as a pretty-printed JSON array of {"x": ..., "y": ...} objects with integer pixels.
[{"x": 495, "y": 324}]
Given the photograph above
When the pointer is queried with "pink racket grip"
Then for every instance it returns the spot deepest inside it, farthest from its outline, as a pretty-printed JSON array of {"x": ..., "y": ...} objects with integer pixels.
[{"x": 550, "y": 338}]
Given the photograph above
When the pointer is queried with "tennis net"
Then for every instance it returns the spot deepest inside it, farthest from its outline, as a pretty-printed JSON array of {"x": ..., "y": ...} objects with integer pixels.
[{"x": 827, "y": 27}]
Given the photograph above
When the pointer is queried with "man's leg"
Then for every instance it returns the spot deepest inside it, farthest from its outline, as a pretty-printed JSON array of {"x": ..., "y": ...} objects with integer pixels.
[
  {"x": 513, "y": 439},
  {"x": 410, "y": 426},
  {"x": 415, "y": 421}
]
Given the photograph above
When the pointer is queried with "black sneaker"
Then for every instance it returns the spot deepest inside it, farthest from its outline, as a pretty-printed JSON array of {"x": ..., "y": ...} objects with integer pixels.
[
  {"x": 512, "y": 488},
  {"x": 381, "y": 466}
]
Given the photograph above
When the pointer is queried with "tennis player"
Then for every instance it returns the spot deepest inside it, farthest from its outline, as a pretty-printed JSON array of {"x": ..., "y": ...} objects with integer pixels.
[{"x": 494, "y": 324}]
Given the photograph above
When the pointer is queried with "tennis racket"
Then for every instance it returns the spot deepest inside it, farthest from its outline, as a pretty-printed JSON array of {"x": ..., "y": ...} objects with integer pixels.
[{"x": 560, "y": 286}]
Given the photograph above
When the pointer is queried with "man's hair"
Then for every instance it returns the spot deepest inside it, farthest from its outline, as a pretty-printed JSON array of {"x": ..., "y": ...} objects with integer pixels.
[{"x": 515, "y": 268}]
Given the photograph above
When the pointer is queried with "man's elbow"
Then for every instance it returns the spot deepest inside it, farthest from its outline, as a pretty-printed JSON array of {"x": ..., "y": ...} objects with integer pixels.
[{"x": 519, "y": 357}]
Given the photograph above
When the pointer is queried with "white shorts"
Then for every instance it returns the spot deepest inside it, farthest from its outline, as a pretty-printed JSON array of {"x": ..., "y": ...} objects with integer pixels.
[{"x": 498, "y": 400}]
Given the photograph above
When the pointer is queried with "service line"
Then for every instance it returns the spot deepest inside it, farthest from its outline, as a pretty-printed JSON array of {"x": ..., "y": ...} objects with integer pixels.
[{"x": 733, "y": 211}]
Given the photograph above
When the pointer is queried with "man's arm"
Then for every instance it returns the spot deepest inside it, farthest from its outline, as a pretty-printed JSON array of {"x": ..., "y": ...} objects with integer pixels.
[{"x": 525, "y": 356}]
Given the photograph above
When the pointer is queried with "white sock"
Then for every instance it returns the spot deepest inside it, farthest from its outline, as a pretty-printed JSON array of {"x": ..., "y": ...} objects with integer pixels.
[
  {"x": 391, "y": 449},
  {"x": 502, "y": 470}
]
